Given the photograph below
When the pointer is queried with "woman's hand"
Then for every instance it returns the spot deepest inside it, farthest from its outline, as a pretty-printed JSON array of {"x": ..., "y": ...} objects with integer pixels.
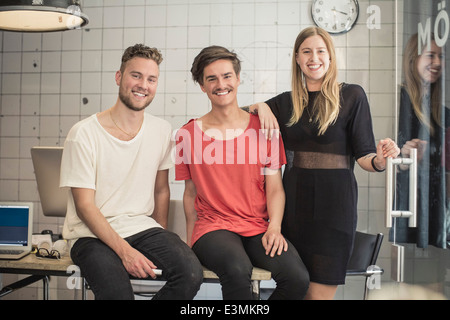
[
  {"x": 418, "y": 144},
  {"x": 386, "y": 148},
  {"x": 269, "y": 123}
]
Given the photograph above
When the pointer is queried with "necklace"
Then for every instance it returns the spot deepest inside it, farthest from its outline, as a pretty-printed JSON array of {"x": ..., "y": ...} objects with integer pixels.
[
  {"x": 128, "y": 134},
  {"x": 310, "y": 117}
]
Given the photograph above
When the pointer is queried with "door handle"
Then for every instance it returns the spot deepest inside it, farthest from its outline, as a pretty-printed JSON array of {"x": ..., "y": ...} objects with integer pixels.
[{"x": 412, "y": 212}]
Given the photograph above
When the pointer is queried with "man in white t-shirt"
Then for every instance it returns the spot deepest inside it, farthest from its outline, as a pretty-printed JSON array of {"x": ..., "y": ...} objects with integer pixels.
[{"x": 116, "y": 165}]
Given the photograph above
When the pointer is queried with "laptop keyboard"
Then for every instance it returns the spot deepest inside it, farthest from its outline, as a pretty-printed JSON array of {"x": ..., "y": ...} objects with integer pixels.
[{"x": 11, "y": 251}]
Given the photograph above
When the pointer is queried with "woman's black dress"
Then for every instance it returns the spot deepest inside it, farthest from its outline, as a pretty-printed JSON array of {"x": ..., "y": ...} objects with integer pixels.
[
  {"x": 432, "y": 169},
  {"x": 321, "y": 190}
]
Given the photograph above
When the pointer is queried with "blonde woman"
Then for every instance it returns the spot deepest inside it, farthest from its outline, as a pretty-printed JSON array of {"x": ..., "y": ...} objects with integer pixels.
[
  {"x": 423, "y": 122},
  {"x": 325, "y": 126}
]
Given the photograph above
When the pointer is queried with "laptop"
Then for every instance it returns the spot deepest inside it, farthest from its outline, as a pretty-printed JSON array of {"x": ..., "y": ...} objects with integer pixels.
[
  {"x": 47, "y": 164},
  {"x": 16, "y": 228}
]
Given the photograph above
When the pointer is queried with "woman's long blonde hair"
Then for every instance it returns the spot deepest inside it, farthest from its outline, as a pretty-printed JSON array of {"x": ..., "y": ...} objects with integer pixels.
[
  {"x": 414, "y": 85},
  {"x": 327, "y": 104}
]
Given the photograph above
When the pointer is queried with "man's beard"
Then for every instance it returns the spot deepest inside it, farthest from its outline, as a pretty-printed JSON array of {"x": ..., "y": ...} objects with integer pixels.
[{"x": 127, "y": 102}]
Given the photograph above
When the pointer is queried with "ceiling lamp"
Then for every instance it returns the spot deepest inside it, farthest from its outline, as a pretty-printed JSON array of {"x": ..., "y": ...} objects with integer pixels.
[{"x": 41, "y": 15}]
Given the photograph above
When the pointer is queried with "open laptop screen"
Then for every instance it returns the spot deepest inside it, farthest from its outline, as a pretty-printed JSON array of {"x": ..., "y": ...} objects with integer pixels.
[
  {"x": 47, "y": 164},
  {"x": 14, "y": 225}
]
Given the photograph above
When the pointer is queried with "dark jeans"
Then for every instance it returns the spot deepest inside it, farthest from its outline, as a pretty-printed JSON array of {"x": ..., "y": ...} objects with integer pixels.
[
  {"x": 108, "y": 278},
  {"x": 232, "y": 258}
]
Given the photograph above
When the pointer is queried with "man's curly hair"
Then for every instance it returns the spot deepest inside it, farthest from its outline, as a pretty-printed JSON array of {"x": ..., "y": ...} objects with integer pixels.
[{"x": 140, "y": 50}]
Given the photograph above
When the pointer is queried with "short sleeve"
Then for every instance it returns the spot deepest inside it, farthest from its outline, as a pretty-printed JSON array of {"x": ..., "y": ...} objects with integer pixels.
[
  {"x": 182, "y": 154},
  {"x": 77, "y": 165},
  {"x": 361, "y": 129},
  {"x": 277, "y": 102},
  {"x": 276, "y": 153}
]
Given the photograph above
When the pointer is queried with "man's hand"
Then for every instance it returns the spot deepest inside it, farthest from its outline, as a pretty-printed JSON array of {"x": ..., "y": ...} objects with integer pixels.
[
  {"x": 137, "y": 264},
  {"x": 274, "y": 242}
]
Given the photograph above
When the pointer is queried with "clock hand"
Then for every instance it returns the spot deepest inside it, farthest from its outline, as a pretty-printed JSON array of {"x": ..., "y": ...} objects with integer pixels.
[{"x": 334, "y": 9}]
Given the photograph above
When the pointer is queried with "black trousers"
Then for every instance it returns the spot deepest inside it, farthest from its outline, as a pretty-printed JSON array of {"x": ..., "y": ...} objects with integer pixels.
[
  {"x": 232, "y": 258},
  {"x": 108, "y": 278}
]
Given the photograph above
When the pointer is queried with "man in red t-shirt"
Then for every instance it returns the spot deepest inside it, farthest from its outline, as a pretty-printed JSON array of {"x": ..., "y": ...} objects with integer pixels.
[{"x": 234, "y": 197}]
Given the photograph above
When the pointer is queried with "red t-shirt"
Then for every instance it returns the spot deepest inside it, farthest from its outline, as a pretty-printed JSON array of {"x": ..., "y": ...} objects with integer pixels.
[{"x": 228, "y": 175}]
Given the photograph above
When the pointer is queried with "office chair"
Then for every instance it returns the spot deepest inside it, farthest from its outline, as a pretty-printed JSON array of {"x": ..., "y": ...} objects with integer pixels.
[{"x": 364, "y": 257}]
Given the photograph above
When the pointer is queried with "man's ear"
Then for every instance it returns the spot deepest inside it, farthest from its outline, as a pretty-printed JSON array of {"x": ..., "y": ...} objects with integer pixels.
[{"x": 118, "y": 77}]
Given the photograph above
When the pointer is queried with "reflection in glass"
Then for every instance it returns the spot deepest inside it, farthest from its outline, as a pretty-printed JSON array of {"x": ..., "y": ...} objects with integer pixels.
[{"x": 423, "y": 123}]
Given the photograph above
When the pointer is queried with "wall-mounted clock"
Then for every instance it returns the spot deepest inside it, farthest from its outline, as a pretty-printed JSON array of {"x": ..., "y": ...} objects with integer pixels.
[{"x": 335, "y": 16}]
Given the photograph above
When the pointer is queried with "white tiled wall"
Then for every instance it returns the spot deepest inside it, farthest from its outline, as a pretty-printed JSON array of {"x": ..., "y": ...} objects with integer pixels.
[{"x": 50, "y": 81}]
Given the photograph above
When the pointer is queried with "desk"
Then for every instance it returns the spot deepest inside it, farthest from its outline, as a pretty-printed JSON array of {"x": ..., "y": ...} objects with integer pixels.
[
  {"x": 31, "y": 264},
  {"x": 42, "y": 268},
  {"x": 38, "y": 268}
]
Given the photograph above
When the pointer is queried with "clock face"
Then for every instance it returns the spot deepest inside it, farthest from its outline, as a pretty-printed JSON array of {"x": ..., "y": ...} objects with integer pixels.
[{"x": 335, "y": 16}]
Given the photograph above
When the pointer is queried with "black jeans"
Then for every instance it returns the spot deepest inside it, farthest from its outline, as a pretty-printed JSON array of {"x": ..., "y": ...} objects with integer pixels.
[
  {"x": 108, "y": 278},
  {"x": 232, "y": 258}
]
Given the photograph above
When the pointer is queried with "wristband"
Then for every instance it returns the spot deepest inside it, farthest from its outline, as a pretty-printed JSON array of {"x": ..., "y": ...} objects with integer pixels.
[{"x": 374, "y": 167}]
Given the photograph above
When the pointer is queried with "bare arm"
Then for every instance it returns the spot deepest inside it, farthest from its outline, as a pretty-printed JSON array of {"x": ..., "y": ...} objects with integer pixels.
[
  {"x": 386, "y": 148},
  {"x": 190, "y": 192},
  {"x": 268, "y": 121},
  {"x": 273, "y": 241},
  {"x": 162, "y": 198},
  {"x": 135, "y": 263}
]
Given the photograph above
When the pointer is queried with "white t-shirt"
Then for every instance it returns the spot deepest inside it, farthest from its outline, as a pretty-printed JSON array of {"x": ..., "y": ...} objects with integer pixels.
[{"x": 122, "y": 173}]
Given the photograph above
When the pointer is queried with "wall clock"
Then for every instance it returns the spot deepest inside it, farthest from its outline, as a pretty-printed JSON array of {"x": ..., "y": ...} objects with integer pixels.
[{"x": 335, "y": 16}]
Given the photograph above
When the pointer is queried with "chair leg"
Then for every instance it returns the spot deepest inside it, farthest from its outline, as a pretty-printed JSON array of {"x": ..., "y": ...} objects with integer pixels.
[
  {"x": 84, "y": 288},
  {"x": 45, "y": 287},
  {"x": 366, "y": 292}
]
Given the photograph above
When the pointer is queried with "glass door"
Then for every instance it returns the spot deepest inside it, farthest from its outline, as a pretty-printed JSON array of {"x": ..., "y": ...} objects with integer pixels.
[{"x": 420, "y": 254}]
